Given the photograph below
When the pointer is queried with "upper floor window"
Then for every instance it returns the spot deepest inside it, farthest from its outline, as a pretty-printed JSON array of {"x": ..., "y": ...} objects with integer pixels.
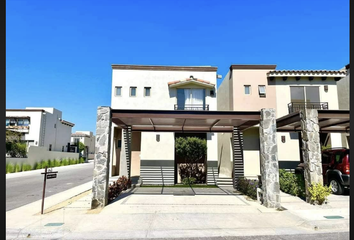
[
  {"x": 132, "y": 91},
  {"x": 50, "y": 147},
  {"x": 262, "y": 90},
  {"x": 118, "y": 91},
  {"x": 147, "y": 91},
  {"x": 247, "y": 89},
  {"x": 7, "y": 122}
]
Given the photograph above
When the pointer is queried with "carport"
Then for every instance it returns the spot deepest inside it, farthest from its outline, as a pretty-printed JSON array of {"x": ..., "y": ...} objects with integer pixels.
[
  {"x": 188, "y": 121},
  {"x": 311, "y": 122}
]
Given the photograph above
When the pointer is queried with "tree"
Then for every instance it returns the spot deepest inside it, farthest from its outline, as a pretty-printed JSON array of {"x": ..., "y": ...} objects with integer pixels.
[
  {"x": 82, "y": 147},
  {"x": 14, "y": 147},
  {"x": 192, "y": 149}
]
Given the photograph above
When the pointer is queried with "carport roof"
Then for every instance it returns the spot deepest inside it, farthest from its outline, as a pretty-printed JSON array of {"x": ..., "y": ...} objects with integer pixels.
[
  {"x": 184, "y": 121},
  {"x": 330, "y": 121}
]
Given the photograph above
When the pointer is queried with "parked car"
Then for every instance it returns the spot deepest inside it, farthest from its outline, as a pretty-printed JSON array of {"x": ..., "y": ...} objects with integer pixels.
[{"x": 335, "y": 169}]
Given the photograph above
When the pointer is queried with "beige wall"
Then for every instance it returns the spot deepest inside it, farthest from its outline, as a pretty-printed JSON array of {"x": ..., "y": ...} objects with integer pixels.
[
  {"x": 251, "y": 152},
  {"x": 252, "y": 101},
  {"x": 136, "y": 140}
]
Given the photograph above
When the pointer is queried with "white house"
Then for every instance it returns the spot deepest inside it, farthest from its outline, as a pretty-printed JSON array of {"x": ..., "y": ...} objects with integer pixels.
[
  {"x": 178, "y": 88},
  {"x": 42, "y": 127},
  {"x": 87, "y": 138}
]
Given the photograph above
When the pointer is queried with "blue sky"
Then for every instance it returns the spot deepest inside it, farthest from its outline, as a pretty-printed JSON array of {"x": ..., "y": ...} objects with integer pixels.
[{"x": 59, "y": 53}]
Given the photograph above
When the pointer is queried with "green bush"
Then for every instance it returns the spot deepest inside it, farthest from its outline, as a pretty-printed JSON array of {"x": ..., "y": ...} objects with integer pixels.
[
  {"x": 291, "y": 183},
  {"x": 44, "y": 163},
  {"x": 9, "y": 168},
  {"x": 37, "y": 165},
  {"x": 71, "y": 161},
  {"x": 26, "y": 167},
  {"x": 189, "y": 180},
  {"x": 56, "y": 163},
  {"x": 82, "y": 160},
  {"x": 247, "y": 187},
  {"x": 319, "y": 193},
  {"x": 16, "y": 149},
  {"x": 64, "y": 162},
  {"x": 17, "y": 167}
]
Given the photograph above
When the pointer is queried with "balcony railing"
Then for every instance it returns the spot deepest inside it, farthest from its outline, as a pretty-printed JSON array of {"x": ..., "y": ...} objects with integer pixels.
[
  {"x": 296, "y": 106},
  {"x": 196, "y": 107}
]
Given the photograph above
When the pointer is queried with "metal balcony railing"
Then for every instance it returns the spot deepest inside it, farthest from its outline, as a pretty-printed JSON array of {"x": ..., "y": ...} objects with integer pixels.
[
  {"x": 296, "y": 106},
  {"x": 196, "y": 107}
]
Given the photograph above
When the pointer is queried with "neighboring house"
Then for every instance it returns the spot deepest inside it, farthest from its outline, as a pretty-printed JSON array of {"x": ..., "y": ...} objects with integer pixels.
[
  {"x": 87, "y": 138},
  {"x": 252, "y": 87},
  {"x": 41, "y": 127},
  {"x": 343, "y": 88},
  {"x": 153, "y": 157}
]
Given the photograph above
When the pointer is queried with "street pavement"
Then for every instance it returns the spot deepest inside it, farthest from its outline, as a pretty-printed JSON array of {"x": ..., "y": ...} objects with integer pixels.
[{"x": 26, "y": 187}]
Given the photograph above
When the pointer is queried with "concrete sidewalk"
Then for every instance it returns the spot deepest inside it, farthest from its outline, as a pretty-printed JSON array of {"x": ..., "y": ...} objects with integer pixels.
[{"x": 142, "y": 213}]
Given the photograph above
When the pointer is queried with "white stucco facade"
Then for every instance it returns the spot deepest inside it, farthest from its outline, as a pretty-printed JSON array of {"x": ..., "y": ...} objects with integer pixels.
[
  {"x": 87, "y": 138},
  {"x": 46, "y": 127},
  {"x": 156, "y": 156}
]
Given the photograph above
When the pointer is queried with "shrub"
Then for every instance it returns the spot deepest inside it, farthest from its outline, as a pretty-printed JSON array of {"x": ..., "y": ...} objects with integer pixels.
[
  {"x": 247, "y": 187},
  {"x": 44, "y": 163},
  {"x": 113, "y": 191},
  {"x": 9, "y": 168},
  {"x": 196, "y": 171},
  {"x": 291, "y": 183},
  {"x": 37, "y": 165},
  {"x": 82, "y": 160},
  {"x": 319, "y": 193},
  {"x": 56, "y": 163},
  {"x": 123, "y": 182},
  {"x": 64, "y": 162},
  {"x": 26, "y": 167},
  {"x": 17, "y": 167},
  {"x": 189, "y": 181}
]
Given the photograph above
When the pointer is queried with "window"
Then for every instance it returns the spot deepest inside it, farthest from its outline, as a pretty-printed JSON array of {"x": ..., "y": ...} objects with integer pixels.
[
  {"x": 132, "y": 91},
  {"x": 50, "y": 147},
  {"x": 26, "y": 122},
  {"x": 262, "y": 90},
  {"x": 247, "y": 89},
  {"x": 55, "y": 125},
  {"x": 7, "y": 122},
  {"x": 119, "y": 143},
  {"x": 12, "y": 122},
  {"x": 118, "y": 91},
  {"x": 147, "y": 91},
  {"x": 20, "y": 122},
  {"x": 62, "y": 148}
]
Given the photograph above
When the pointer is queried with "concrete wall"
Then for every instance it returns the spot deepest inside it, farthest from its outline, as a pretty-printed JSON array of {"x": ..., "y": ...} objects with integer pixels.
[
  {"x": 37, "y": 154},
  {"x": 343, "y": 89},
  {"x": 251, "y": 152}
]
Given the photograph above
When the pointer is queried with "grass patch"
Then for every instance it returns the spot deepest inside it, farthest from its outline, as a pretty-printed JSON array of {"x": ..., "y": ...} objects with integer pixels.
[{"x": 181, "y": 186}]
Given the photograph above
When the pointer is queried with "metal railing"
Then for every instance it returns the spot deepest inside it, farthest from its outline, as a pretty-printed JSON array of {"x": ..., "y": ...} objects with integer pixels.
[
  {"x": 296, "y": 106},
  {"x": 196, "y": 107}
]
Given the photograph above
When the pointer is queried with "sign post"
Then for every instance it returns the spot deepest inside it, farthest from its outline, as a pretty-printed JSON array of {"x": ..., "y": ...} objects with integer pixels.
[{"x": 47, "y": 175}]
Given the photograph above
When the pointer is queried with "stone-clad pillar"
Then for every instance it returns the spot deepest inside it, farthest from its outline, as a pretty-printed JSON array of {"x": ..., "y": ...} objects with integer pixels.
[
  {"x": 102, "y": 158},
  {"x": 311, "y": 149},
  {"x": 269, "y": 158}
]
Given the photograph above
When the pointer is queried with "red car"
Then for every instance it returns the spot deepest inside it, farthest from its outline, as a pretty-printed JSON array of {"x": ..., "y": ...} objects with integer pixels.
[{"x": 335, "y": 169}]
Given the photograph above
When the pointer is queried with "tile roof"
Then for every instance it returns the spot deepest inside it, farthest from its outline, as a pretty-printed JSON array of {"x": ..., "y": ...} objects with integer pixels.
[
  {"x": 67, "y": 123},
  {"x": 79, "y": 135},
  {"x": 307, "y": 72},
  {"x": 191, "y": 80}
]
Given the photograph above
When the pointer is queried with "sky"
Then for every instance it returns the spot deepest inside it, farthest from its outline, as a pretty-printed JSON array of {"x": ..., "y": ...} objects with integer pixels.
[{"x": 59, "y": 53}]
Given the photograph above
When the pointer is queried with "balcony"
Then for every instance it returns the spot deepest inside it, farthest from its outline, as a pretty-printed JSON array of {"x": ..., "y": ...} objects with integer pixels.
[
  {"x": 192, "y": 107},
  {"x": 296, "y": 106}
]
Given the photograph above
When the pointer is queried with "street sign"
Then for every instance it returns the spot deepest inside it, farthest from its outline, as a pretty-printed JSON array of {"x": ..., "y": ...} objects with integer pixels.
[{"x": 53, "y": 175}]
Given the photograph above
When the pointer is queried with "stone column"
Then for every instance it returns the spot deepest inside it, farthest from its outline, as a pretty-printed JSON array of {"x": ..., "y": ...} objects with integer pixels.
[
  {"x": 269, "y": 158},
  {"x": 311, "y": 149},
  {"x": 102, "y": 158}
]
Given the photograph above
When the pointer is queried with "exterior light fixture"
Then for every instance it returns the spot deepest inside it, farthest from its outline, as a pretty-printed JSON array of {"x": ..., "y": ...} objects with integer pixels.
[
  {"x": 157, "y": 137},
  {"x": 283, "y": 139},
  {"x": 326, "y": 88},
  {"x": 212, "y": 93}
]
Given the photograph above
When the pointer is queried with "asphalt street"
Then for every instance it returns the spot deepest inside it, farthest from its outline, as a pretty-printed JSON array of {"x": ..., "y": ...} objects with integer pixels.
[{"x": 26, "y": 188}]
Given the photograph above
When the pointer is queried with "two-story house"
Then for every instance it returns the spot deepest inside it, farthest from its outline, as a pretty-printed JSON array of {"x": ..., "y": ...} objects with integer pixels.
[
  {"x": 87, "y": 138},
  {"x": 175, "y": 88},
  {"x": 252, "y": 87},
  {"x": 42, "y": 127}
]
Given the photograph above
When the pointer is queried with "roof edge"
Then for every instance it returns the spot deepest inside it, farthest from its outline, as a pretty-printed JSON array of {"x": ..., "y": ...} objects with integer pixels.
[
  {"x": 249, "y": 66},
  {"x": 162, "y": 68}
]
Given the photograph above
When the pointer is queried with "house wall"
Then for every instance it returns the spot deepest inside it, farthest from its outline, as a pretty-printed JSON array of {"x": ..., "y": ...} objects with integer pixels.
[
  {"x": 252, "y": 101},
  {"x": 289, "y": 152},
  {"x": 343, "y": 88},
  {"x": 251, "y": 147},
  {"x": 34, "y": 127}
]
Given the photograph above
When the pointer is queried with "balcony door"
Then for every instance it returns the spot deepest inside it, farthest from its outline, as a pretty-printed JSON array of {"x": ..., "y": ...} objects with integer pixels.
[
  {"x": 305, "y": 97},
  {"x": 191, "y": 99}
]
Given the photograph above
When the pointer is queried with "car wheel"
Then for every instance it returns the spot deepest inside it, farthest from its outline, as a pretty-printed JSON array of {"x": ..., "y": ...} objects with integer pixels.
[{"x": 336, "y": 187}]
